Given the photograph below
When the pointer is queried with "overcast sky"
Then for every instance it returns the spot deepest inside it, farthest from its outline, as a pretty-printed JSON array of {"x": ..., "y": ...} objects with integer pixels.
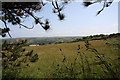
[{"x": 79, "y": 21}]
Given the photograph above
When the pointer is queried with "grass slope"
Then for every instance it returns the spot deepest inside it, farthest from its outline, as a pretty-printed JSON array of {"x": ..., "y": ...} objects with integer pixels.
[{"x": 90, "y": 66}]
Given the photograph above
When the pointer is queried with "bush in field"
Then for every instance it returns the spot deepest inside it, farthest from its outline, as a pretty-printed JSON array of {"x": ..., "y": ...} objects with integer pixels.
[{"x": 13, "y": 55}]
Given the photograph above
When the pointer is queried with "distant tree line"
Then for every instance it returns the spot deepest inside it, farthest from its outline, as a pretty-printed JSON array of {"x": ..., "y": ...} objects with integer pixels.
[{"x": 98, "y": 37}]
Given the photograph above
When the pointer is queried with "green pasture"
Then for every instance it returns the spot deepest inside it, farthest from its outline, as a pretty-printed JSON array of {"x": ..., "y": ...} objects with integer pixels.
[{"x": 88, "y": 65}]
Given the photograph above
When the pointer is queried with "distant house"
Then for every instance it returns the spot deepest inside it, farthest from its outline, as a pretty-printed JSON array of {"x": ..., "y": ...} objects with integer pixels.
[{"x": 34, "y": 45}]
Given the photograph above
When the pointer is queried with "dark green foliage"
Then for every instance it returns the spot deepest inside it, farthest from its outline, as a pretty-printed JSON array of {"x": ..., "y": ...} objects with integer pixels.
[
  {"x": 34, "y": 58},
  {"x": 98, "y": 37},
  {"x": 3, "y": 31},
  {"x": 114, "y": 35},
  {"x": 23, "y": 50},
  {"x": 13, "y": 55},
  {"x": 30, "y": 52}
]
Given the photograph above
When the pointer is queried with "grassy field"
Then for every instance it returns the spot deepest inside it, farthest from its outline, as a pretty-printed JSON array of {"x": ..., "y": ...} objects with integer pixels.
[{"x": 71, "y": 60}]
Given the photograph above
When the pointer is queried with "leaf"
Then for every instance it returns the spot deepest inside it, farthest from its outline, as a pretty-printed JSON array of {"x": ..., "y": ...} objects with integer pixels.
[
  {"x": 23, "y": 49},
  {"x": 30, "y": 52}
]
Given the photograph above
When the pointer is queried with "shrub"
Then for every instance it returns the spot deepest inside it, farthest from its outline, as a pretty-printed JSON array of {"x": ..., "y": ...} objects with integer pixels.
[{"x": 13, "y": 55}]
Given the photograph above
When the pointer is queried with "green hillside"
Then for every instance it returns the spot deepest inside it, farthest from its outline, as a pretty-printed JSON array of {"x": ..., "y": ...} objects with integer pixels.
[
  {"x": 84, "y": 59},
  {"x": 85, "y": 63}
]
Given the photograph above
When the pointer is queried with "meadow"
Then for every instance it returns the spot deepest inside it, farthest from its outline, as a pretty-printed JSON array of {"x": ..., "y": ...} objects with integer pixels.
[
  {"x": 99, "y": 59},
  {"x": 90, "y": 57}
]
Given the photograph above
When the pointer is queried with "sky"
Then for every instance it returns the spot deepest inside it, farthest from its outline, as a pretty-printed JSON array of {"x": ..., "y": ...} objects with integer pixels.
[{"x": 79, "y": 21}]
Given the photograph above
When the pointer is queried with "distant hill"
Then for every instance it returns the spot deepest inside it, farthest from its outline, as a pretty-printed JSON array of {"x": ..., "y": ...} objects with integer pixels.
[
  {"x": 56, "y": 40},
  {"x": 45, "y": 40}
]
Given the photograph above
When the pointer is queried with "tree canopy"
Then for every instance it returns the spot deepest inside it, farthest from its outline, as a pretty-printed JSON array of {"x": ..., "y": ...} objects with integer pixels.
[{"x": 15, "y": 12}]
